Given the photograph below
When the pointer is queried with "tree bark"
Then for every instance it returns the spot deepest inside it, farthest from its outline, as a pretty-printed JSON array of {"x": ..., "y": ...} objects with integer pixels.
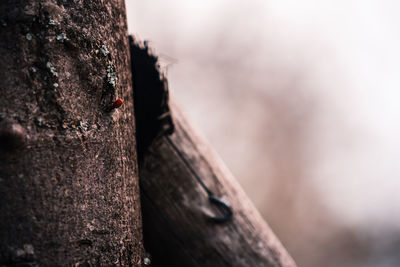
[
  {"x": 179, "y": 229},
  {"x": 68, "y": 172}
]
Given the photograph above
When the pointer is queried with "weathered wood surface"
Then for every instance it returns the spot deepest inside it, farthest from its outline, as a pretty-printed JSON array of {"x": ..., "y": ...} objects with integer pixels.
[
  {"x": 69, "y": 191},
  {"x": 176, "y": 210}
]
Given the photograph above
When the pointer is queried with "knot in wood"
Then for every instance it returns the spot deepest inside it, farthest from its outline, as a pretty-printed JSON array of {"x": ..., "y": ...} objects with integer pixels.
[{"x": 12, "y": 137}]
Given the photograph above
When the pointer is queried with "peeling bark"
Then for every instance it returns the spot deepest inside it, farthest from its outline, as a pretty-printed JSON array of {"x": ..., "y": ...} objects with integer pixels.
[{"x": 68, "y": 173}]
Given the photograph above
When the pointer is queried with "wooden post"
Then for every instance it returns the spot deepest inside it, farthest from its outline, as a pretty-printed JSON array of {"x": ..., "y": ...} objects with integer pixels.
[
  {"x": 176, "y": 208},
  {"x": 69, "y": 193}
]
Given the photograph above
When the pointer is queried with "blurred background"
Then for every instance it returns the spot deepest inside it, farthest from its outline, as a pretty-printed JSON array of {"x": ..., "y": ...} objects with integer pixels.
[{"x": 300, "y": 99}]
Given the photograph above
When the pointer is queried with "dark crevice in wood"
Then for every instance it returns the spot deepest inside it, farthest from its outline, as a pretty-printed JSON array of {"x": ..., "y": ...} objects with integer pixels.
[{"x": 152, "y": 112}]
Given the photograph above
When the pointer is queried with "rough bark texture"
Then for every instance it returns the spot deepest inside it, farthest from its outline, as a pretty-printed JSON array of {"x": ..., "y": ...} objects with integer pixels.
[
  {"x": 68, "y": 174},
  {"x": 176, "y": 211}
]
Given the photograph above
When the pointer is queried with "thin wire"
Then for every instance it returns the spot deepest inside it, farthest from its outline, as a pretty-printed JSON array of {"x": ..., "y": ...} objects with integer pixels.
[
  {"x": 208, "y": 191},
  {"x": 211, "y": 197}
]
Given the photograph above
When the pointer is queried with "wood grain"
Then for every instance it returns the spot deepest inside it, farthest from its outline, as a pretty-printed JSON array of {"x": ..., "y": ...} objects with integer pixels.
[{"x": 176, "y": 210}]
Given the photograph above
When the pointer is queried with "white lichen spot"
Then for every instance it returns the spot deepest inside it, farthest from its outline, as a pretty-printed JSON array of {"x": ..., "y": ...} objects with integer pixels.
[
  {"x": 3, "y": 23},
  {"x": 84, "y": 126},
  {"x": 33, "y": 69},
  {"x": 104, "y": 50},
  {"x": 61, "y": 37},
  {"x": 52, "y": 69},
  {"x": 90, "y": 227},
  {"x": 146, "y": 261},
  {"x": 51, "y": 22},
  {"x": 112, "y": 79},
  {"x": 19, "y": 252},
  {"x": 39, "y": 121},
  {"x": 29, "y": 10},
  {"x": 29, "y": 249},
  {"x": 55, "y": 85},
  {"x": 28, "y": 36}
]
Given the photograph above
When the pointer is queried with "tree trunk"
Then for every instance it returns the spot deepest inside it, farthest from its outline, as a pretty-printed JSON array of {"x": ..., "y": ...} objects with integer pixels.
[
  {"x": 184, "y": 185},
  {"x": 68, "y": 173}
]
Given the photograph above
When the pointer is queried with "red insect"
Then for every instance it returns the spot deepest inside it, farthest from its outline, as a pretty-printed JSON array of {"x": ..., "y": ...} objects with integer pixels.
[{"x": 116, "y": 104}]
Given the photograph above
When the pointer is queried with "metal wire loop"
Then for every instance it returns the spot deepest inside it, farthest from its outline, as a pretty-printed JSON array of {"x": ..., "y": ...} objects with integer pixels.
[
  {"x": 211, "y": 197},
  {"x": 220, "y": 203}
]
